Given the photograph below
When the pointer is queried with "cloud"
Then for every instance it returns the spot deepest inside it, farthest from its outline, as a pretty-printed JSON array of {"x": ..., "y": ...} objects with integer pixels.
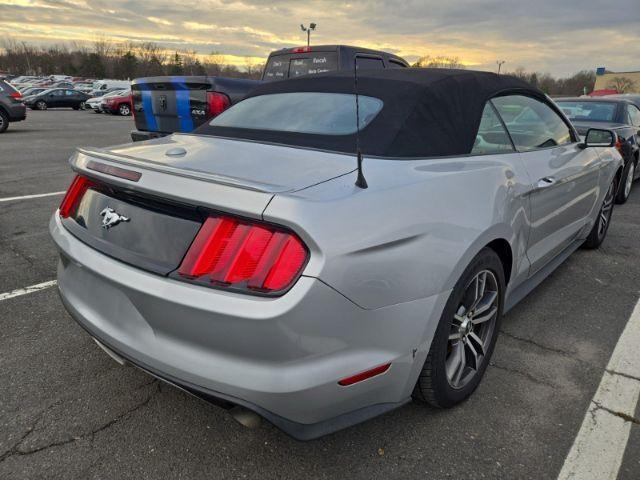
[{"x": 560, "y": 37}]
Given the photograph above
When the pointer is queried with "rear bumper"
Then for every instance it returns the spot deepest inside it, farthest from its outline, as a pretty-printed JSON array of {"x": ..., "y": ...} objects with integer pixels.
[
  {"x": 280, "y": 357},
  {"x": 140, "y": 135},
  {"x": 16, "y": 112}
]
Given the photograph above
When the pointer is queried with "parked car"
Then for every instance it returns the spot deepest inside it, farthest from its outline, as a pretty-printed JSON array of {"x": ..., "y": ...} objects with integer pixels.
[
  {"x": 253, "y": 263},
  {"x": 101, "y": 86},
  {"x": 163, "y": 105},
  {"x": 11, "y": 107},
  {"x": 618, "y": 114},
  {"x": 119, "y": 104},
  {"x": 95, "y": 103},
  {"x": 32, "y": 91},
  {"x": 632, "y": 97},
  {"x": 57, "y": 98}
]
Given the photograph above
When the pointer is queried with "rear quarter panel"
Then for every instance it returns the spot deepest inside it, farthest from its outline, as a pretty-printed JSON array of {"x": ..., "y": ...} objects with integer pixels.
[{"x": 414, "y": 230}]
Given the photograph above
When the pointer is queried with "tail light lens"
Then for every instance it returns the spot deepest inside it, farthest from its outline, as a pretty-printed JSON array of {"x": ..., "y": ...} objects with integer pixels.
[
  {"x": 217, "y": 103},
  {"x": 619, "y": 145},
  {"x": 242, "y": 255},
  {"x": 16, "y": 95},
  {"x": 73, "y": 196}
]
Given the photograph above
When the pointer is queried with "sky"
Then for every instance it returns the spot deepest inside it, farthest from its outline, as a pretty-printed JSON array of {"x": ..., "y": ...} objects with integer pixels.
[{"x": 556, "y": 36}]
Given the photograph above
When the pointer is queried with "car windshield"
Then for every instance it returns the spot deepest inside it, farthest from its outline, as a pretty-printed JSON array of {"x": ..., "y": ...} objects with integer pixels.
[
  {"x": 301, "y": 112},
  {"x": 588, "y": 111}
]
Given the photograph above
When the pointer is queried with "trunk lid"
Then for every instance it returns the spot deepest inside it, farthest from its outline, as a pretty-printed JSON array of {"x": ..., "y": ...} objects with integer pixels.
[
  {"x": 180, "y": 180},
  {"x": 583, "y": 127},
  {"x": 238, "y": 163},
  {"x": 169, "y": 104}
]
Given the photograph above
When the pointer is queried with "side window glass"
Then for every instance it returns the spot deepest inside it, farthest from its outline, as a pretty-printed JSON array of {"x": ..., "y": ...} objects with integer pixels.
[
  {"x": 634, "y": 115},
  {"x": 394, "y": 64},
  {"x": 367, "y": 63},
  {"x": 531, "y": 123},
  {"x": 492, "y": 137},
  {"x": 70, "y": 93}
]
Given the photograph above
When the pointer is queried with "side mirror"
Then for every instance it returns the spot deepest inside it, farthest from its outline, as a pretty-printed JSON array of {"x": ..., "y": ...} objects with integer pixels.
[{"x": 597, "y": 137}]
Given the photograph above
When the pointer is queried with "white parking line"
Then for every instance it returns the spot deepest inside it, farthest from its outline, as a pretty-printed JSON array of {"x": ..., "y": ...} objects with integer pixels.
[
  {"x": 598, "y": 450},
  {"x": 27, "y": 197},
  {"x": 24, "y": 291}
]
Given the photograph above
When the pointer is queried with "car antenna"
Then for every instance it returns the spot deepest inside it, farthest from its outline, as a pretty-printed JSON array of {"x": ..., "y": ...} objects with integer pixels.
[{"x": 361, "y": 182}]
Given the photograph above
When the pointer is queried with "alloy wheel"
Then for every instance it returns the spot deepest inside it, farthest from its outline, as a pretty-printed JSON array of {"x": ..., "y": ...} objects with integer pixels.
[
  {"x": 125, "y": 110},
  {"x": 41, "y": 105},
  {"x": 629, "y": 180},
  {"x": 472, "y": 329},
  {"x": 606, "y": 210}
]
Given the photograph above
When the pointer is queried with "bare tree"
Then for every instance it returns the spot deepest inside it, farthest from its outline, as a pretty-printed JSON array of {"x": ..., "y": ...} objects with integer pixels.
[
  {"x": 439, "y": 61},
  {"x": 622, "y": 84}
]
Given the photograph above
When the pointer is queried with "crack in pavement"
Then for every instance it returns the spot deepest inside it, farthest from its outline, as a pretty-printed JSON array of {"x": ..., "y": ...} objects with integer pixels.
[
  {"x": 541, "y": 346},
  {"x": 622, "y": 415},
  {"x": 626, "y": 375},
  {"x": 15, "y": 449},
  {"x": 526, "y": 375}
]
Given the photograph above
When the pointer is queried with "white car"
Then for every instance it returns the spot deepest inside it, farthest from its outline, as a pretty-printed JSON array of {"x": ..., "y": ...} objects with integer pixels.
[{"x": 95, "y": 102}]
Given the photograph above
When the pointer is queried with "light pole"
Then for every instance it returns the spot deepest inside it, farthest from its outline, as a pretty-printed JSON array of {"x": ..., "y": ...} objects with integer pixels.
[
  {"x": 500, "y": 62},
  {"x": 312, "y": 26}
]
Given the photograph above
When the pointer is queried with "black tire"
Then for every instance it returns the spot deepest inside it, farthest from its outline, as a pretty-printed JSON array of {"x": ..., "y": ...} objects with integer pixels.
[
  {"x": 433, "y": 385},
  {"x": 4, "y": 121},
  {"x": 82, "y": 106},
  {"x": 41, "y": 105},
  {"x": 599, "y": 231},
  {"x": 626, "y": 180},
  {"x": 124, "y": 110}
]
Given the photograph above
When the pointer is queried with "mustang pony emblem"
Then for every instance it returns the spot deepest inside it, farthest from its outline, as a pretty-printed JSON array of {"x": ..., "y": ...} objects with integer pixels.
[{"x": 111, "y": 218}]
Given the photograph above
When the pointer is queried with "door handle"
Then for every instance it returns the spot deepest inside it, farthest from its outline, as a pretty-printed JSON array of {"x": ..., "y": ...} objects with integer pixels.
[{"x": 545, "y": 182}]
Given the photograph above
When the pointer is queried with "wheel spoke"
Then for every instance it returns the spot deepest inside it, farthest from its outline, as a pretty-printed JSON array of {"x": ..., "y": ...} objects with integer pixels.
[
  {"x": 478, "y": 342},
  {"x": 454, "y": 336},
  {"x": 474, "y": 356},
  {"x": 483, "y": 318},
  {"x": 485, "y": 303},
  {"x": 455, "y": 363},
  {"x": 461, "y": 367}
]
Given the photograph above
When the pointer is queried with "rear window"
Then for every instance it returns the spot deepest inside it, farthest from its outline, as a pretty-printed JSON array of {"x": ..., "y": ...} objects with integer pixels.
[
  {"x": 301, "y": 112},
  {"x": 589, "y": 111},
  {"x": 294, "y": 65}
]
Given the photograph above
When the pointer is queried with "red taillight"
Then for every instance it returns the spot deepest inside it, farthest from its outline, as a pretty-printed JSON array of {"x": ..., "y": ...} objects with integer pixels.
[
  {"x": 76, "y": 190},
  {"x": 217, "y": 102},
  {"x": 15, "y": 95},
  {"x": 249, "y": 256},
  {"x": 619, "y": 145},
  {"x": 359, "y": 377}
]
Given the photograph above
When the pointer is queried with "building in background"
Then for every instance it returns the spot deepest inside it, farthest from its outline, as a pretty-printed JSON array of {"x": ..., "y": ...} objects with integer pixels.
[{"x": 622, "y": 82}]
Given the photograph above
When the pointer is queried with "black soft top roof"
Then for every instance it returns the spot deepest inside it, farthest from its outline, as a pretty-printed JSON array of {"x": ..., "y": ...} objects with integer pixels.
[{"x": 426, "y": 112}]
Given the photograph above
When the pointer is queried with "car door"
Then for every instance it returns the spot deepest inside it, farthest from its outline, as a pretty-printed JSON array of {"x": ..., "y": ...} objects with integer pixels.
[
  {"x": 70, "y": 98},
  {"x": 55, "y": 98},
  {"x": 633, "y": 113},
  {"x": 564, "y": 176}
]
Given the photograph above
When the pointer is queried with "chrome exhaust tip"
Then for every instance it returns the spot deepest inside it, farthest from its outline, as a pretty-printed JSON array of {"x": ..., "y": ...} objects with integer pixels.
[{"x": 245, "y": 417}]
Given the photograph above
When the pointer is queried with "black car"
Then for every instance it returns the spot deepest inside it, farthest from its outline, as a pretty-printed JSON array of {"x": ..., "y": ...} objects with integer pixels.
[
  {"x": 11, "y": 107},
  {"x": 57, "y": 98},
  {"x": 616, "y": 113}
]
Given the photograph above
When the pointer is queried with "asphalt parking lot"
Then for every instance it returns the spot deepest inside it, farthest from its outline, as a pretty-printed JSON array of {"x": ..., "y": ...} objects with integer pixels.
[{"x": 68, "y": 411}]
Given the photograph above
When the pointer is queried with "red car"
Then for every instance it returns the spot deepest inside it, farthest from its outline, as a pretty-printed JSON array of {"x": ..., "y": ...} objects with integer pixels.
[{"x": 120, "y": 105}]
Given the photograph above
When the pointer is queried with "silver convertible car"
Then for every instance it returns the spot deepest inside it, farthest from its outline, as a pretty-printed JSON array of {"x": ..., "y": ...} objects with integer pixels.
[{"x": 319, "y": 256}]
